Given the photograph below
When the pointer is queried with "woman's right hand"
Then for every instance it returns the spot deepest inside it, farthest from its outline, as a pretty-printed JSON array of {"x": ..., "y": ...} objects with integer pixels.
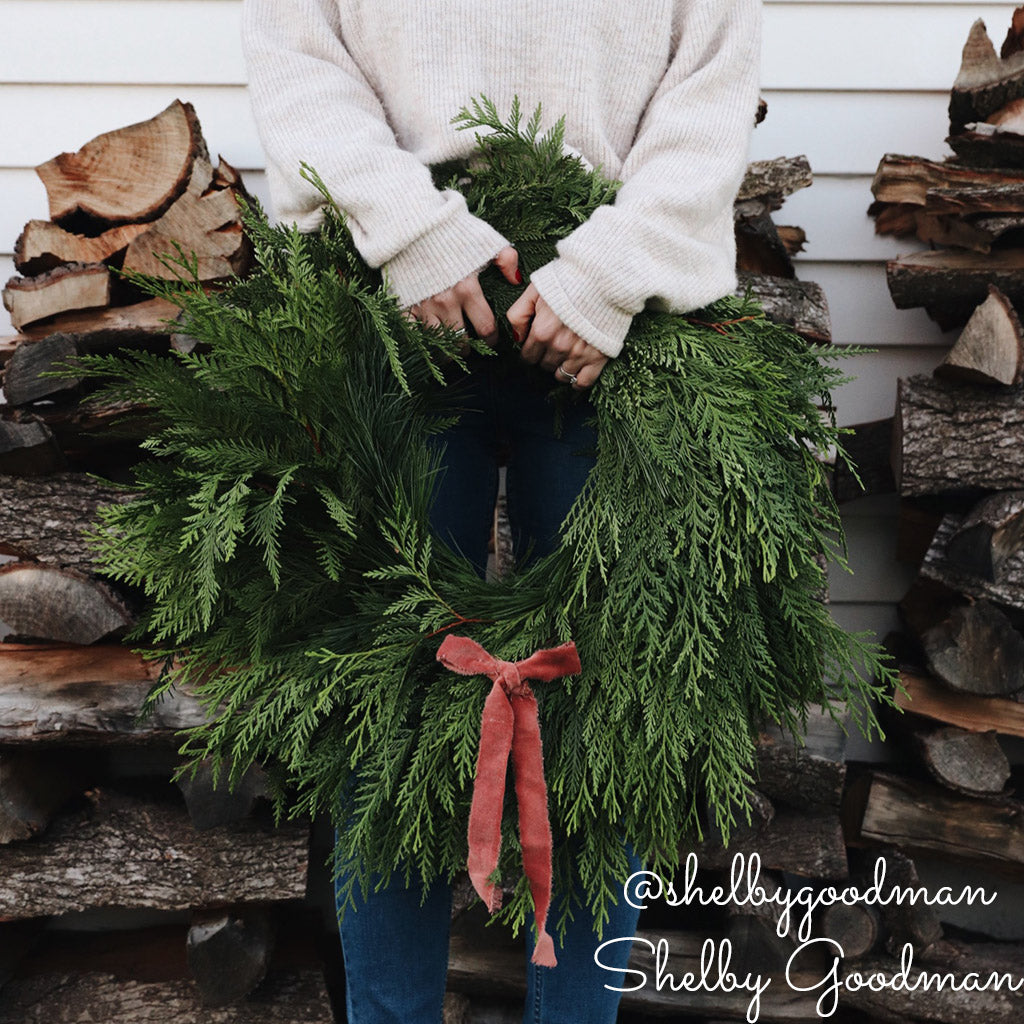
[{"x": 465, "y": 301}]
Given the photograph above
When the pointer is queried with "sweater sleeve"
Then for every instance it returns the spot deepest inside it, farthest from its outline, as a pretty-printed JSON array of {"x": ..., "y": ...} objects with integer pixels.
[
  {"x": 668, "y": 237},
  {"x": 312, "y": 103}
]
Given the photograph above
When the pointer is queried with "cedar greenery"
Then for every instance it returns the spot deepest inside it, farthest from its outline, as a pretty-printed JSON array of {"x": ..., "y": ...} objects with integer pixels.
[{"x": 279, "y": 532}]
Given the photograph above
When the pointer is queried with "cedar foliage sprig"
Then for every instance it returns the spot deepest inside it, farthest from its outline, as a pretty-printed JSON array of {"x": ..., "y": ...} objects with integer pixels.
[{"x": 279, "y": 532}]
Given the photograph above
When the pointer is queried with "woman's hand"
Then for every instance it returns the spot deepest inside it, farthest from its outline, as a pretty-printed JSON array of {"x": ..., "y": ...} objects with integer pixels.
[
  {"x": 465, "y": 301},
  {"x": 546, "y": 340}
]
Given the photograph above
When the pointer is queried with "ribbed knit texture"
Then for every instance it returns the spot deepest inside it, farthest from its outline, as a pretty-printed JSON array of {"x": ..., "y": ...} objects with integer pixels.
[{"x": 660, "y": 94}]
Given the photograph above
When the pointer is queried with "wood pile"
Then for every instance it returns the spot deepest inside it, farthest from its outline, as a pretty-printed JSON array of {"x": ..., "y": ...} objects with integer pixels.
[
  {"x": 91, "y": 826},
  {"x": 225, "y": 896}
]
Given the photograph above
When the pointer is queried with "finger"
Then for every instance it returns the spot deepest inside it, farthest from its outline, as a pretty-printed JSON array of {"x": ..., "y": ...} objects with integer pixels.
[
  {"x": 588, "y": 375},
  {"x": 520, "y": 313},
  {"x": 557, "y": 349},
  {"x": 480, "y": 315},
  {"x": 507, "y": 261}
]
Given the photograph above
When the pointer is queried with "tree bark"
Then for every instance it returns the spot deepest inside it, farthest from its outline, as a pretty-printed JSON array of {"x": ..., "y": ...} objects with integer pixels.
[
  {"x": 125, "y": 852},
  {"x": 22, "y": 382},
  {"x": 43, "y": 519},
  {"x": 28, "y": 449},
  {"x": 950, "y": 438},
  {"x": 989, "y": 535},
  {"x": 797, "y": 304}
]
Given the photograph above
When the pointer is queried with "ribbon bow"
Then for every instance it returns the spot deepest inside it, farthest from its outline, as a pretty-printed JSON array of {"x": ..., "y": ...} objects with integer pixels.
[{"x": 510, "y": 723}]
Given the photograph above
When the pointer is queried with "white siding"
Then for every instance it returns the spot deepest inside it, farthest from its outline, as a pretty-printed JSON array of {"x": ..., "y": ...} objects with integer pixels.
[{"x": 845, "y": 83}]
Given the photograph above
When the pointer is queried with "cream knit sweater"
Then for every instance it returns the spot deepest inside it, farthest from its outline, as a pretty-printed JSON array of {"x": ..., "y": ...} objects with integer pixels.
[{"x": 660, "y": 93}]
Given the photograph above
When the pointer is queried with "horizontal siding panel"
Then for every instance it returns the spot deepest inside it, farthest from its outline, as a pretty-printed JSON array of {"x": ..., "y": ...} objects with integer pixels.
[
  {"x": 41, "y": 121},
  {"x": 109, "y": 41},
  {"x": 848, "y": 133},
  {"x": 874, "y": 575},
  {"x": 862, "y": 310},
  {"x": 869, "y": 46},
  {"x": 840, "y": 133},
  {"x": 871, "y": 395},
  {"x": 806, "y": 46}
]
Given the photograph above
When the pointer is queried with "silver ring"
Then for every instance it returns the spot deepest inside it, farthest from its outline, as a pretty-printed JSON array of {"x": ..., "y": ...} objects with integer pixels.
[
  {"x": 571, "y": 378},
  {"x": 460, "y": 331}
]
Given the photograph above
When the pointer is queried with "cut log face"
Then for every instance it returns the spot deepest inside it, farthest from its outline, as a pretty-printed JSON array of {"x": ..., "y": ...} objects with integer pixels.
[
  {"x": 950, "y": 438},
  {"x": 1006, "y": 589},
  {"x": 207, "y": 226},
  {"x": 972, "y": 763},
  {"x": 32, "y": 788},
  {"x": 797, "y": 304},
  {"x": 133, "y": 853},
  {"x": 228, "y": 953},
  {"x": 857, "y": 928},
  {"x": 131, "y": 174},
  {"x": 112, "y": 327},
  {"x": 989, "y": 536},
  {"x": 76, "y": 286},
  {"x": 991, "y": 348},
  {"x": 22, "y": 382},
  {"x": 59, "y": 604},
  {"x": 211, "y": 805},
  {"x": 976, "y": 650}
]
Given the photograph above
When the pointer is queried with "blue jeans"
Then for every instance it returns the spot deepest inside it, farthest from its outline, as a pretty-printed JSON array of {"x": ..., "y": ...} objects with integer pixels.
[{"x": 396, "y": 950}]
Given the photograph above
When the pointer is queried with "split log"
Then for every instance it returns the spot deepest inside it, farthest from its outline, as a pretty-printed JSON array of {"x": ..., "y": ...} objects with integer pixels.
[
  {"x": 76, "y": 286},
  {"x": 928, "y": 698},
  {"x": 987, "y": 145},
  {"x": 287, "y": 997},
  {"x": 922, "y": 607},
  {"x": 1006, "y": 589},
  {"x": 770, "y": 181},
  {"x": 105, "y": 329},
  {"x": 793, "y": 238},
  {"x": 28, "y": 448},
  {"x": 44, "y": 518},
  {"x": 32, "y": 788},
  {"x": 911, "y": 921},
  {"x": 797, "y": 304},
  {"x": 228, "y": 953},
  {"x": 759, "y": 249},
  {"x": 950, "y": 438},
  {"x": 916, "y": 524},
  {"x": 54, "y": 603},
  {"x": 208, "y": 228},
  {"x": 43, "y": 245},
  {"x": 124, "y": 852},
  {"x": 132, "y": 174},
  {"x": 808, "y": 775},
  {"x": 869, "y": 448},
  {"x": 975, "y": 649},
  {"x": 483, "y": 960},
  {"x": 808, "y": 843},
  {"x": 972, "y": 763},
  {"x": 22, "y": 382},
  {"x": 211, "y": 802},
  {"x": 921, "y": 816},
  {"x": 950, "y": 283},
  {"x": 911, "y": 181},
  {"x": 986, "y": 82},
  {"x": 966, "y": 200},
  {"x": 989, "y": 535},
  {"x": 51, "y": 693},
  {"x": 991, "y": 348},
  {"x": 937, "y": 1003}
]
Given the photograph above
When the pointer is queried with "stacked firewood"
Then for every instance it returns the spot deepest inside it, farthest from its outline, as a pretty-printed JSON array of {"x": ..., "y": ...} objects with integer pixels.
[{"x": 197, "y": 898}]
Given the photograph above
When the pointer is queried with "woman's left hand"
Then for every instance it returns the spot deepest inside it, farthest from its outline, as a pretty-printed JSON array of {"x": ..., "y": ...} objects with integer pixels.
[{"x": 546, "y": 340}]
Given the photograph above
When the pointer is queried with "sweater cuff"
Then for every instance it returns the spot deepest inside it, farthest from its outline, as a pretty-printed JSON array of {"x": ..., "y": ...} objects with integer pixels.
[
  {"x": 573, "y": 300},
  {"x": 441, "y": 257}
]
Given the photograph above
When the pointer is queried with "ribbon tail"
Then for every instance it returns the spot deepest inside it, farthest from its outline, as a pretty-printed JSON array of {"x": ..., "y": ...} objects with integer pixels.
[
  {"x": 496, "y": 728},
  {"x": 534, "y": 826}
]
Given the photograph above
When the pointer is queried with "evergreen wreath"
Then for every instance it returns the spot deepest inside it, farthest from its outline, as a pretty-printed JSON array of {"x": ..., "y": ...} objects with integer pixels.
[{"x": 279, "y": 534}]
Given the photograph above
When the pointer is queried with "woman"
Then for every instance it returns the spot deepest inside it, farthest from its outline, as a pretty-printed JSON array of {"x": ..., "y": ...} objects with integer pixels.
[{"x": 661, "y": 95}]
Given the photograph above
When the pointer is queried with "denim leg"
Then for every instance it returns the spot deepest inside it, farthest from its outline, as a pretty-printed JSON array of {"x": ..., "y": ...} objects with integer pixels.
[
  {"x": 576, "y": 990},
  {"x": 396, "y": 954}
]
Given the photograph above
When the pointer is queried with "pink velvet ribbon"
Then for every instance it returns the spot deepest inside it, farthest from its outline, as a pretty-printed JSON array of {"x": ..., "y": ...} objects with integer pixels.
[{"x": 511, "y": 724}]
